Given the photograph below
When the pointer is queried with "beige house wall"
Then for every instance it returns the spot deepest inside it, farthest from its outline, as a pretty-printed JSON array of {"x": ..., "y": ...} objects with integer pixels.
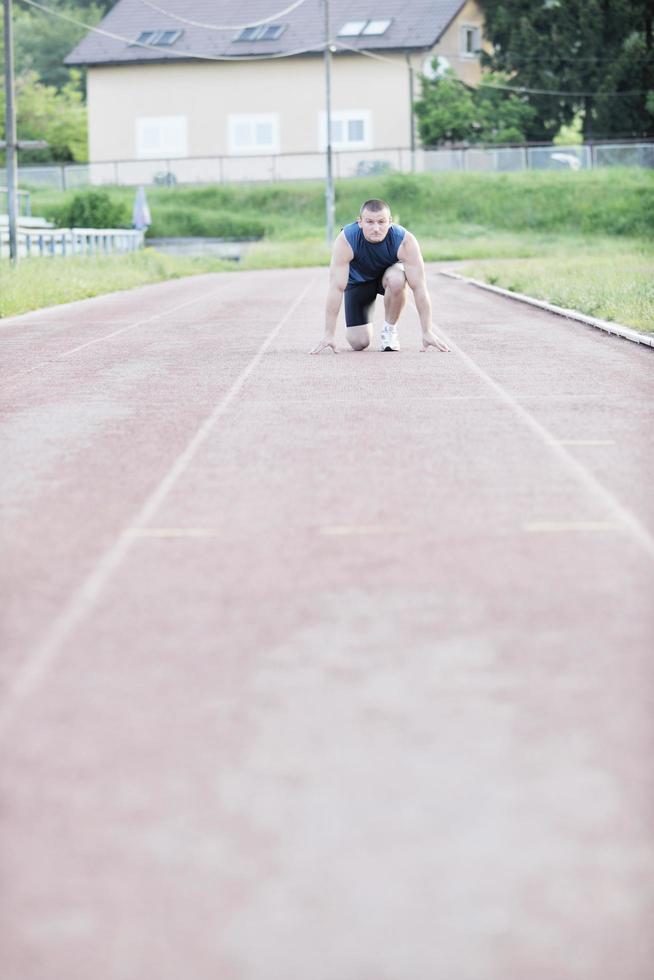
[
  {"x": 449, "y": 45},
  {"x": 208, "y": 93},
  {"x": 290, "y": 90}
]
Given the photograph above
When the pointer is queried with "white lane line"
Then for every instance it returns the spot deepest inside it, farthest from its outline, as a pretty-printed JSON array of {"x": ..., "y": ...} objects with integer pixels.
[
  {"x": 173, "y": 532},
  {"x": 139, "y": 323},
  {"x": 85, "y": 597},
  {"x": 621, "y": 514},
  {"x": 342, "y": 530},
  {"x": 108, "y": 336},
  {"x": 548, "y": 527},
  {"x": 586, "y": 442}
]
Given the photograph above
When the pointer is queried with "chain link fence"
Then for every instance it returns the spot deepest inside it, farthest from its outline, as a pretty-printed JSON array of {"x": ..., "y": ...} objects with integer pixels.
[{"x": 307, "y": 166}]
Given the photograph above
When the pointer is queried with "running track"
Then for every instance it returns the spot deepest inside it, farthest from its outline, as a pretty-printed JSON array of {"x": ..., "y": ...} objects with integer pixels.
[{"x": 325, "y": 668}]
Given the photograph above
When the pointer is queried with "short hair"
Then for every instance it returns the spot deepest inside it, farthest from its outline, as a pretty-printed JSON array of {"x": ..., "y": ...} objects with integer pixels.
[{"x": 374, "y": 204}]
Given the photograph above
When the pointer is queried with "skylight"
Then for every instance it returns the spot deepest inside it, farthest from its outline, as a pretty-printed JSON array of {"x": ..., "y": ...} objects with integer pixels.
[
  {"x": 376, "y": 27},
  {"x": 352, "y": 28},
  {"x": 264, "y": 32},
  {"x": 158, "y": 38},
  {"x": 357, "y": 28}
]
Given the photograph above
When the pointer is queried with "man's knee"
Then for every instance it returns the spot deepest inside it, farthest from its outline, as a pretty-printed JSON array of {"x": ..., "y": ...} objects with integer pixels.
[
  {"x": 359, "y": 337},
  {"x": 394, "y": 280}
]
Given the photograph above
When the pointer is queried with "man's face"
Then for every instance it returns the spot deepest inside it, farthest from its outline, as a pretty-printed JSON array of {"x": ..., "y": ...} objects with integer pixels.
[{"x": 375, "y": 224}]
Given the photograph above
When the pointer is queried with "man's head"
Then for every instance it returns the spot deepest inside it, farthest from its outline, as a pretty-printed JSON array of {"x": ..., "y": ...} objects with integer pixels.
[{"x": 374, "y": 220}]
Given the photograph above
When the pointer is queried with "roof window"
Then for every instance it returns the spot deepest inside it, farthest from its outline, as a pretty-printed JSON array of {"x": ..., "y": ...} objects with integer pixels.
[
  {"x": 376, "y": 27},
  {"x": 352, "y": 28},
  {"x": 158, "y": 38},
  {"x": 358, "y": 28},
  {"x": 264, "y": 32}
]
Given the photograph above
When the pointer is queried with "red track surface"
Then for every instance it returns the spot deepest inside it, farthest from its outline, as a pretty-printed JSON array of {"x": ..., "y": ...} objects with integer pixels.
[{"x": 325, "y": 668}]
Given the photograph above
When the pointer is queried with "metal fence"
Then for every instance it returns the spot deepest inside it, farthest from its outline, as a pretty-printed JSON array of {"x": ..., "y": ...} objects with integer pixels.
[
  {"x": 23, "y": 208},
  {"x": 305, "y": 166},
  {"x": 72, "y": 241}
]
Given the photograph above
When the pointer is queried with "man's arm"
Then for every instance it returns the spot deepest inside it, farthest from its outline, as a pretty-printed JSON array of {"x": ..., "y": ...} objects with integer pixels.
[
  {"x": 342, "y": 255},
  {"x": 414, "y": 268}
]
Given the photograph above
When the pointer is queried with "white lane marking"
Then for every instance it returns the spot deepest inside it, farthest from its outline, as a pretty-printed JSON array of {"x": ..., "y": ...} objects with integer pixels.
[
  {"x": 85, "y": 597},
  {"x": 173, "y": 532},
  {"x": 586, "y": 442},
  {"x": 108, "y": 336},
  {"x": 337, "y": 530},
  {"x": 546, "y": 527},
  {"x": 622, "y": 514}
]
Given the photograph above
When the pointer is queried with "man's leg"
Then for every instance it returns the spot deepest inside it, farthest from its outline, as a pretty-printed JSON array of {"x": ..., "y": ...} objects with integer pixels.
[
  {"x": 359, "y": 305},
  {"x": 359, "y": 337},
  {"x": 394, "y": 283}
]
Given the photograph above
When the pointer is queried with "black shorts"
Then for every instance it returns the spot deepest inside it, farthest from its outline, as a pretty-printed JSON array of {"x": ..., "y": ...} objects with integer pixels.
[{"x": 359, "y": 301}]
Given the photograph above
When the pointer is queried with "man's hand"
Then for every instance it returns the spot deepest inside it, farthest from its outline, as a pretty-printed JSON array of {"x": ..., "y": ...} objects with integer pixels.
[
  {"x": 429, "y": 339},
  {"x": 325, "y": 344}
]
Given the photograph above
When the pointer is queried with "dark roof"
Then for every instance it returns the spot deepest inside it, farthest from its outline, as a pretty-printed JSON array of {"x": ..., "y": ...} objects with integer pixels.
[{"x": 415, "y": 25}]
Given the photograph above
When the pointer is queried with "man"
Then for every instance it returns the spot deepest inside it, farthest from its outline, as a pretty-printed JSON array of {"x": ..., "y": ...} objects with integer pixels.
[{"x": 371, "y": 256}]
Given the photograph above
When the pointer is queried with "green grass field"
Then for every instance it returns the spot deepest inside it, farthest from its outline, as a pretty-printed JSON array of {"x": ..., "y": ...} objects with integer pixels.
[
  {"x": 582, "y": 240},
  {"x": 617, "y": 286}
]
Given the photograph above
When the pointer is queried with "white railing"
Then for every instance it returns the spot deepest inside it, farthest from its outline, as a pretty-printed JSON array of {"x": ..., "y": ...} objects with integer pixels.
[
  {"x": 23, "y": 202},
  {"x": 72, "y": 241},
  {"x": 350, "y": 163}
]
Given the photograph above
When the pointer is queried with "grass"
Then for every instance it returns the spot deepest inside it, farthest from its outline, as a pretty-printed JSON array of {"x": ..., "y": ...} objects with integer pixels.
[
  {"x": 580, "y": 239},
  {"x": 39, "y": 282},
  {"x": 617, "y": 285},
  {"x": 608, "y": 201}
]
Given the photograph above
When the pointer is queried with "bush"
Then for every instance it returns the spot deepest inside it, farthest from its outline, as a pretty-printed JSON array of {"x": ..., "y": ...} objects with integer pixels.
[
  {"x": 91, "y": 209},
  {"x": 192, "y": 222}
]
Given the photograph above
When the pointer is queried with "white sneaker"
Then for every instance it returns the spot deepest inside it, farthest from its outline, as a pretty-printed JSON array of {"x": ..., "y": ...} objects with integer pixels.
[{"x": 389, "y": 339}]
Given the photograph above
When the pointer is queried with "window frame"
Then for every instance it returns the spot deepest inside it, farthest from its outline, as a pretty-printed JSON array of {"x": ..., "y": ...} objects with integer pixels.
[
  {"x": 250, "y": 35},
  {"x": 465, "y": 30},
  {"x": 345, "y": 117},
  {"x": 364, "y": 26},
  {"x": 236, "y": 149},
  {"x": 169, "y": 151},
  {"x": 155, "y": 38},
  {"x": 366, "y": 32}
]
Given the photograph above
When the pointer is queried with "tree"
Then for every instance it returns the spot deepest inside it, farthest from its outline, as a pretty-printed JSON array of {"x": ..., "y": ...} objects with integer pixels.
[
  {"x": 445, "y": 112},
  {"x": 42, "y": 41},
  {"x": 50, "y": 96},
  {"x": 596, "y": 50},
  {"x": 504, "y": 117},
  {"x": 46, "y": 114},
  {"x": 449, "y": 111}
]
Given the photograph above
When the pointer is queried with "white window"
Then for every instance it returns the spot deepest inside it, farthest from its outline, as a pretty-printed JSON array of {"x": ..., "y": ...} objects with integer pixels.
[
  {"x": 265, "y": 32},
  {"x": 159, "y": 38},
  {"x": 469, "y": 40},
  {"x": 376, "y": 27},
  {"x": 253, "y": 134},
  {"x": 161, "y": 136},
  {"x": 354, "y": 28},
  {"x": 351, "y": 130}
]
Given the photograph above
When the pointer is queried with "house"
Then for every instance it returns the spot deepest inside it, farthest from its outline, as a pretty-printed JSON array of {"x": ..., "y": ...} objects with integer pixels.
[{"x": 237, "y": 89}]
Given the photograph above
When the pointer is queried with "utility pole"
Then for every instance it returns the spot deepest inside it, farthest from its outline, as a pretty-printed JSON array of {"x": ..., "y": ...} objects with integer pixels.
[
  {"x": 10, "y": 135},
  {"x": 329, "y": 190},
  {"x": 412, "y": 124}
]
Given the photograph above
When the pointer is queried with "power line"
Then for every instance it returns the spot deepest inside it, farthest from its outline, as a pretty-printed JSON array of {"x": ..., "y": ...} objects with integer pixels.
[
  {"x": 181, "y": 55},
  {"x": 520, "y": 90},
  {"x": 224, "y": 27},
  {"x": 177, "y": 55},
  {"x": 523, "y": 90}
]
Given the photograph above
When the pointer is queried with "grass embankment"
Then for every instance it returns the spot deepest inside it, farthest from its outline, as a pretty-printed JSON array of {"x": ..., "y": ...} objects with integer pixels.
[
  {"x": 617, "y": 286},
  {"x": 39, "y": 282},
  {"x": 556, "y": 227}
]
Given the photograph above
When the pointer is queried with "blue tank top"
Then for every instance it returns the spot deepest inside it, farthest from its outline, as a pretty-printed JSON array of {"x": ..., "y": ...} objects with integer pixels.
[{"x": 372, "y": 259}]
